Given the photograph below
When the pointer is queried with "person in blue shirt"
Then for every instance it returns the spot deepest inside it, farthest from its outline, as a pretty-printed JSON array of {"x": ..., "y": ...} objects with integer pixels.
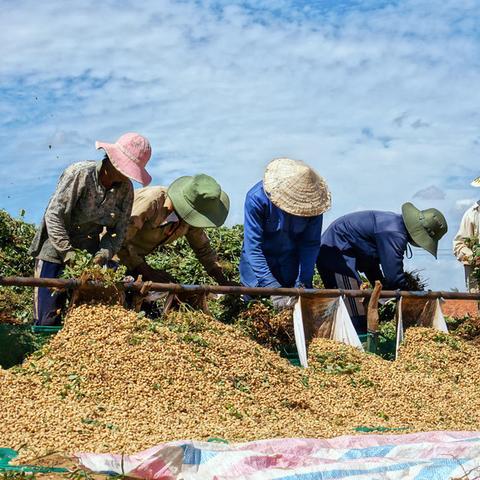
[
  {"x": 282, "y": 227},
  {"x": 374, "y": 243}
]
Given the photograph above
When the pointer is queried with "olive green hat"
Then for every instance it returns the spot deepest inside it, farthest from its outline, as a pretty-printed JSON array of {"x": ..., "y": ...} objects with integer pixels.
[
  {"x": 426, "y": 227},
  {"x": 199, "y": 201}
]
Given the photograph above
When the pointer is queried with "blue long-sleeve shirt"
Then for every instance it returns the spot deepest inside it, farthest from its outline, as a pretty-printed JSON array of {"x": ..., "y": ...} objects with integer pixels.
[
  {"x": 362, "y": 241},
  {"x": 279, "y": 249}
]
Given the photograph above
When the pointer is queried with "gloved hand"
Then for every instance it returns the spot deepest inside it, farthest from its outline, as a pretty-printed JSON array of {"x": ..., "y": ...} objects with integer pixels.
[
  {"x": 101, "y": 257},
  {"x": 229, "y": 283},
  {"x": 69, "y": 257},
  {"x": 281, "y": 302},
  {"x": 151, "y": 274},
  {"x": 218, "y": 275}
]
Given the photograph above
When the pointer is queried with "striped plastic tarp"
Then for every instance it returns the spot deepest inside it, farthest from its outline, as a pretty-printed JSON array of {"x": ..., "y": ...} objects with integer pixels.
[{"x": 420, "y": 456}]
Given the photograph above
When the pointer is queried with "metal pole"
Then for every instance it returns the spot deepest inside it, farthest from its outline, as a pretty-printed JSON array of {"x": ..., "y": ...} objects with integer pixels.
[
  {"x": 218, "y": 289},
  {"x": 39, "y": 282}
]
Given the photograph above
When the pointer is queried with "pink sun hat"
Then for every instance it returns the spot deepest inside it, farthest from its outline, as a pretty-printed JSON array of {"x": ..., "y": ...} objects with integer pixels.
[{"x": 129, "y": 155}]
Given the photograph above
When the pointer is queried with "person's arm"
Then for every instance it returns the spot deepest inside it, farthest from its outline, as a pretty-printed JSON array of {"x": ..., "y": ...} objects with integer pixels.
[
  {"x": 206, "y": 255},
  {"x": 309, "y": 247},
  {"x": 114, "y": 237},
  {"x": 143, "y": 209},
  {"x": 59, "y": 211},
  {"x": 253, "y": 242},
  {"x": 391, "y": 247},
  {"x": 374, "y": 273},
  {"x": 466, "y": 230}
]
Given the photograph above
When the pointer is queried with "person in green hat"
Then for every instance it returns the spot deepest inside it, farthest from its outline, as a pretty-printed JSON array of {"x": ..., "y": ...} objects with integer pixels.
[
  {"x": 160, "y": 215},
  {"x": 374, "y": 243}
]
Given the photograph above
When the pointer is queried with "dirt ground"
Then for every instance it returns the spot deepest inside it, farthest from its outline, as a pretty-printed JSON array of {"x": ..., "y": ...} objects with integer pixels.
[{"x": 460, "y": 308}]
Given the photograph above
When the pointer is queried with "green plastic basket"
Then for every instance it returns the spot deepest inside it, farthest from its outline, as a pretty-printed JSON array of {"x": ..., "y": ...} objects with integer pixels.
[
  {"x": 381, "y": 346},
  {"x": 368, "y": 342},
  {"x": 290, "y": 353},
  {"x": 19, "y": 341},
  {"x": 46, "y": 330}
]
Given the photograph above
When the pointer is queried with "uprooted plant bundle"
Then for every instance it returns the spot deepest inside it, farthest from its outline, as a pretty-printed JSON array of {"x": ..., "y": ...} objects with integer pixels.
[
  {"x": 84, "y": 268},
  {"x": 114, "y": 381},
  {"x": 266, "y": 326},
  {"x": 466, "y": 327}
]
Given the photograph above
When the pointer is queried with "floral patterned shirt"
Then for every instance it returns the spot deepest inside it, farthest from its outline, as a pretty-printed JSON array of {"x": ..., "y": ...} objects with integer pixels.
[{"x": 83, "y": 214}]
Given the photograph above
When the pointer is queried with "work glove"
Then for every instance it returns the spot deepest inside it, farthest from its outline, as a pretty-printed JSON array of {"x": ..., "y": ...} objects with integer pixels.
[
  {"x": 101, "y": 257},
  {"x": 218, "y": 275},
  {"x": 153, "y": 275},
  {"x": 281, "y": 302},
  {"x": 229, "y": 283},
  {"x": 69, "y": 257}
]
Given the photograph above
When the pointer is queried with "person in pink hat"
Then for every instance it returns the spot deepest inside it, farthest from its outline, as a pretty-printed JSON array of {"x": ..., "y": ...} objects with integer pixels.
[{"x": 89, "y": 210}]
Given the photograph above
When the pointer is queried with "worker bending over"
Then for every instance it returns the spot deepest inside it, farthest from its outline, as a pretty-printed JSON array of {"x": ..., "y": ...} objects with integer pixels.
[
  {"x": 374, "y": 243},
  {"x": 91, "y": 198},
  {"x": 160, "y": 215},
  {"x": 282, "y": 227}
]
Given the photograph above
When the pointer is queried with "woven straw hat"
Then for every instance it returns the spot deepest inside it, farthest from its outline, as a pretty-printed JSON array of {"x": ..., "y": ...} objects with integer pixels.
[
  {"x": 296, "y": 188},
  {"x": 476, "y": 182}
]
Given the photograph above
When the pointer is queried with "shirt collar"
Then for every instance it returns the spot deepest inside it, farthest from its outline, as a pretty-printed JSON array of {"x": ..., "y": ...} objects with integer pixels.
[
  {"x": 98, "y": 168},
  {"x": 172, "y": 218}
]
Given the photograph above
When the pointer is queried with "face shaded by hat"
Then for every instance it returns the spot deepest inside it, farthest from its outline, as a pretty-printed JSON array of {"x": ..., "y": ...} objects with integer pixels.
[
  {"x": 425, "y": 227},
  {"x": 296, "y": 188},
  {"x": 199, "y": 201},
  {"x": 129, "y": 155}
]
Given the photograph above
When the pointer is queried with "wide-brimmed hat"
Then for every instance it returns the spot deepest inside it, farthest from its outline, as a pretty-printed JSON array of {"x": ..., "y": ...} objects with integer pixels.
[
  {"x": 129, "y": 155},
  {"x": 199, "y": 201},
  {"x": 296, "y": 188},
  {"x": 426, "y": 227},
  {"x": 475, "y": 182}
]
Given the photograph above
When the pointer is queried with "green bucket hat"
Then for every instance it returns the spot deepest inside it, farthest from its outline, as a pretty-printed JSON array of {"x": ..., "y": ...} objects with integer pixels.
[
  {"x": 199, "y": 201},
  {"x": 426, "y": 227}
]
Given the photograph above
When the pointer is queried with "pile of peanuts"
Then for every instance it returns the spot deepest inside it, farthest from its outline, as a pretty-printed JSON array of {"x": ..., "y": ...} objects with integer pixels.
[{"x": 113, "y": 381}]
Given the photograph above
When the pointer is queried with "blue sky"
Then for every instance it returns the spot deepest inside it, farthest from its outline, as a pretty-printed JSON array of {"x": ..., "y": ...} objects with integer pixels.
[{"x": 381, "y": 98}]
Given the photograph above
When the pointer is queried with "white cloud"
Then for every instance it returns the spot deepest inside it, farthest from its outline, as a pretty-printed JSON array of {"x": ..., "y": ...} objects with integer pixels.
[
  {"x": 464, "y": 203},
  {"x": 430, "y": 193},
  {"x": 224, "y": 87}
]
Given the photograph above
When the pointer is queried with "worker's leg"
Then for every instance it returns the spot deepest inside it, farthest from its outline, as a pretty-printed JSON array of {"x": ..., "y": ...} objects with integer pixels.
[
  {"x": 47, "y": 304},
  {"x": 354, "y": 306},
  {"x": 328, "y": 278}
]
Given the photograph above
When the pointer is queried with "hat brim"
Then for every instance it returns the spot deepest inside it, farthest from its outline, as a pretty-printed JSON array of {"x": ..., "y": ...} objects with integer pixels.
[
  {"x": 195, "y": 218},
  {"x": 124, "y": 164},
  {"x": 307, "y": 200},
  {"x": 411, "y": 218},
  {"x": 475, "y": 182}
]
